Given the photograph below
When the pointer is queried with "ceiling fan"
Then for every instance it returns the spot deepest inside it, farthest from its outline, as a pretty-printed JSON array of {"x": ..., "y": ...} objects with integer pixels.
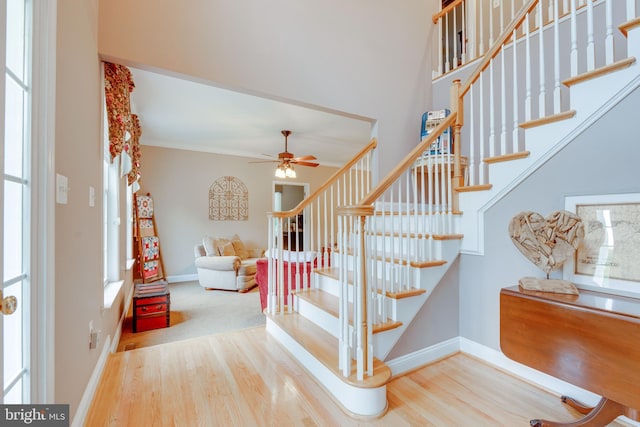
[{"x": 286, "y": 159}]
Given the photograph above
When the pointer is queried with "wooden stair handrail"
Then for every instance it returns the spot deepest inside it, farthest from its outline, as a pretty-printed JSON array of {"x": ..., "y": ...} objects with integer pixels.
[
  {"x": 340, "y": 172},
  {"x": 449, "y": 8},
  {"x": 408, "y": 161}
]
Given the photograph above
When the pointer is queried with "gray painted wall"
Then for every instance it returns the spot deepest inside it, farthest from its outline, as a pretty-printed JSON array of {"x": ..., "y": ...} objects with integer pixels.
[{"x": 602, "y": 160}]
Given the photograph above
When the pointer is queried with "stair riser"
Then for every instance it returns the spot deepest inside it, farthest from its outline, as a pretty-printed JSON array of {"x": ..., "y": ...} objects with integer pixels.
[
  {"x": 320, "y": 317},
  {"x": 332, "y": 286},
  {"x": 408, "y": 247},
  {"x": 436, "y": 223},
  {"x": 330, "y": 322}
]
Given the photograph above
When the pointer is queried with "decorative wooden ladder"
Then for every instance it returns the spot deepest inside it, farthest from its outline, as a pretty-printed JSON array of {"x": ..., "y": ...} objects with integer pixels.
[{"x": 148, "y": 256}]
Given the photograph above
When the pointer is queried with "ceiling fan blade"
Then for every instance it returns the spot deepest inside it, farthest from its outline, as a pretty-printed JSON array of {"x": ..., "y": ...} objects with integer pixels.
[
  {"x": 309, "y": 157},
  {"x": 306, "y": 164},
  {"x": 265, "y": 161}
]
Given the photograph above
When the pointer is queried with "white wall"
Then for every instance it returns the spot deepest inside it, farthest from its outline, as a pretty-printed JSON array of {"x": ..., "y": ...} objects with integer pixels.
[
  {"x": 369, "y": 58},
  {"x": 78, "y": 227}
]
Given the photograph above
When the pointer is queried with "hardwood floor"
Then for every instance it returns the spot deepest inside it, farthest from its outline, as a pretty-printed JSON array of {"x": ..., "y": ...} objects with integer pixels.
[{"x": 245, "y": 378}]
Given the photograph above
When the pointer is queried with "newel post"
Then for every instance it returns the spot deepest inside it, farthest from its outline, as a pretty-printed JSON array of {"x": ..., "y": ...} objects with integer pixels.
[
  {"x": 356, "y": 217},
  {"x": 457, "y": 106}
]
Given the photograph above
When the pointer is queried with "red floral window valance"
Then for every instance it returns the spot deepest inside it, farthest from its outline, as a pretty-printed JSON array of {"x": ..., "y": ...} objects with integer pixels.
[
  {"x": 124, "y": 127},
  {"x": 134, "y": 149}
]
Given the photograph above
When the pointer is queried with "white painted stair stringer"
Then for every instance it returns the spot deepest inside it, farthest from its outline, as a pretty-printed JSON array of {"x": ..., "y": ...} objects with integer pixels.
[
  {"x": 402, "y": 309},
  {"x": 590, "y": 99},
  {"x": 365, "y": 402}
]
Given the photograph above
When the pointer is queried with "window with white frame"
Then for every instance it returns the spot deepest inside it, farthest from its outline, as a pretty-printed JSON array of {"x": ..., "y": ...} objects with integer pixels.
[
  {"x": 16, "y": 196},
  {"x": 110, "y": 213}
]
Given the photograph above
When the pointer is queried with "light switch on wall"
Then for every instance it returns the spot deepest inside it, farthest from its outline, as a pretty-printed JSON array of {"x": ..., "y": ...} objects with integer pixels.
[
  {"x": 62, "y": 189},
  {"x": 92, "y": 196}
]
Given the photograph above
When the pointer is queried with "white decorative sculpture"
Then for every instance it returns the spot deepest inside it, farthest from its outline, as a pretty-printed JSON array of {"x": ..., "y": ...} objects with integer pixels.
[{"x": 548, "y": 243}]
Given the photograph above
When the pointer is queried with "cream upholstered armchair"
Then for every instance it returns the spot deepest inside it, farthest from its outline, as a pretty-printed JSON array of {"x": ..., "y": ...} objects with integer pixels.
[{"x": 225, "y": 264}]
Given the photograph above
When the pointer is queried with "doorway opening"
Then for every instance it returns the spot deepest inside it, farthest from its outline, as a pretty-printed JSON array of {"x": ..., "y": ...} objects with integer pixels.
[{"x": 286, "y": 196}]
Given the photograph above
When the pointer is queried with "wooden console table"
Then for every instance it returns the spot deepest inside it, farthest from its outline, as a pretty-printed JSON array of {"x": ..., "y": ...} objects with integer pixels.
[{"x": 591, "y": 340}]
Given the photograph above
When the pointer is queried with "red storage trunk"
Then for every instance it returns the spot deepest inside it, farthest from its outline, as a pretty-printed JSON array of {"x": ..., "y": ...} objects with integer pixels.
[{"x": 151, "y": 306}]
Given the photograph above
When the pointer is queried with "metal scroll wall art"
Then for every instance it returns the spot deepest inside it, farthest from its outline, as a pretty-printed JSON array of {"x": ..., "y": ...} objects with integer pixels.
[{"x": 228, "y": 200}]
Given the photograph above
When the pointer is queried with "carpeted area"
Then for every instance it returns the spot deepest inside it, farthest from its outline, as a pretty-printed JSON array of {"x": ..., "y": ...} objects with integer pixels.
[{"x": 196, "y": 312}]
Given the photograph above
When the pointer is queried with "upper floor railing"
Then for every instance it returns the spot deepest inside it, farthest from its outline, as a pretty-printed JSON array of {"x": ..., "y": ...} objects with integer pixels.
[
  {"x": 524, "y": 76},
  {"x": 468, "y": 28}
]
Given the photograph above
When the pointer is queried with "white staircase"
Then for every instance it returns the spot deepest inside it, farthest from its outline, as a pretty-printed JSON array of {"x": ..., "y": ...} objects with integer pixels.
[
  {"x": 311, "y": 333},
  {"x": 418, "y": 259}
]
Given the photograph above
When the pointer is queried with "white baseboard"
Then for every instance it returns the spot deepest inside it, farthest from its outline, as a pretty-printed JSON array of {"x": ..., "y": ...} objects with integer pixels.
[
  {"x": 409, "y": 362},
  {"x": 110, "y": 346},
  {"x": 118, "y": 332},
  {"x": 92, "y": 385},
  {"x": 182, "y": 278}
]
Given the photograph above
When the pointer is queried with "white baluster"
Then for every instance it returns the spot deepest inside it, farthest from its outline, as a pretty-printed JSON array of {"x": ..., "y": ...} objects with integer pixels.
[
  {"x": 463, "y": 25},
  {"x": 503, "y": 103},
  {"x": 542, "y": 88},
  {"x": 556, "y": 60},
  {"x": 481, "y": 137},
  {"x": 527, "y": 69},
  {"x": 454, "y": 34},
  {"x": 501, "y": 18},
  {"x": 574, "y": 40},
  {"x": 447, "y": 64},
  {"x": 472, "y": 131},
  {"x": 608, "y": 41},
  {"x": 481, "y": 51},
  {"x": 591, "y": 50},
  {"x": 631, "y": 9},
  {"x": 516, "y": 128},
  {"x": 440, "y": 60},
  {"x": 470, "y": 30},
  {"x": 492, "y": 108},
  {"x": 491, "y": 29}
]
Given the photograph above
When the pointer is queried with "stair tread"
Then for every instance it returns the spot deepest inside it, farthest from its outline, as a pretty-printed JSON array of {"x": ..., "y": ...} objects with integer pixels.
[
  {"x": 324, "y": 347},
  {"x": 334, "y": 273},
  {"x": 330, "y": 304},
  {"x": 410, "y": 212},
  {"x": 413, "y": 235},
  {"x": 606, "y": 69},
  {"x": 415, "y": 263}
]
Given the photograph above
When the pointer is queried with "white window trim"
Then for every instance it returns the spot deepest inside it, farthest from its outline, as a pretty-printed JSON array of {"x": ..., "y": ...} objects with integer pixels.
[{"x": 43, "y": 202}]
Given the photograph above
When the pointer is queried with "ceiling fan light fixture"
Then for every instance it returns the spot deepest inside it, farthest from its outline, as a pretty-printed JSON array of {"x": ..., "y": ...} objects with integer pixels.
[
  {"x": 290, "y": 172},
  {"x": 285, "y": 170}
]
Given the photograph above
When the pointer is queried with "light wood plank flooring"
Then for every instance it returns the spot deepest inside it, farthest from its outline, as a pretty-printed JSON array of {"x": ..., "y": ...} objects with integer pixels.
[{"x": 245, "y": 378}]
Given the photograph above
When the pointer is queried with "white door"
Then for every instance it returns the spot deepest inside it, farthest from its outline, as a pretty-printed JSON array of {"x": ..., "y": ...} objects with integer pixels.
[{"x": 15, "y": 211}]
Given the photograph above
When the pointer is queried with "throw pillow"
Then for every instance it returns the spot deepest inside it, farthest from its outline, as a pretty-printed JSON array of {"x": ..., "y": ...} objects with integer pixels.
[
  {"x": 239, "y": 247},
  {"x": 209, "y": 246},
  {"x": 226, "y": 249}
]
